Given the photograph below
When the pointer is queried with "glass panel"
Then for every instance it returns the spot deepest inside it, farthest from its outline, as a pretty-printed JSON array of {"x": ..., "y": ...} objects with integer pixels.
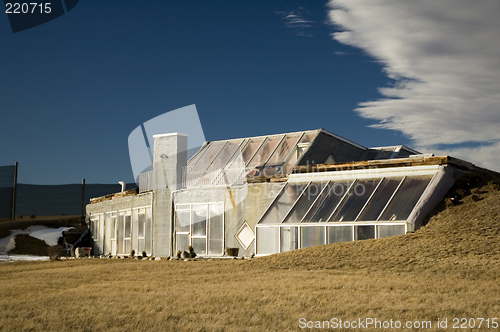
[
  {"x": 227, "y": 152},
  {"x": 379, "y": 199},
  {"x": 149, "y": 231},
  {"x": 182, "y": 242},
  {"x": 308, "y": 137},
  {"x": 127, "y": 247},
  {"x": 215, "y": 169},
  {"x": 128, "y": 226},
  {"x": 199, "y": 220},
  {"x": 327, "y": 202},
  {"x": 182, "y": 221},
  {"x": 194, "y": 159},
  {"x": 267, "y": 240},
  {"x": 265, "y": 151},
  {"x": 371, "y": 154},
  {"x": 406, "y": 197},
  {"x": 251, "y": 147},
  {"x": 287, "y": 168},
  {"x": 289, "y": 238},
  {"x": 280, "y": 154},
  {"x": 304, "y": 202},
  {"x": 108, "y": 235},
  {"x": 113, "y": 227},
  {"x": 211, "y": 151},
  {"x": 142, "y": 220},
  {"x": 283, "y": 203},
  {"x": 390, "y": 230},
  {"x": 215, "y": 232},
  {"x": 355, "y": 200},
  {"x": 200, "y": 246},
  {"x": 339, "y": 234},
  {"x": 94, "y": 228},
  {"x": 365, "y": 232},
  {"x": 141, "y": 246},
  {"x": 312, "y": 236},
  {"x": 121, "y": 223},
  {"x": 135, "y": 229},
  {"x": 385, "y": 154}
]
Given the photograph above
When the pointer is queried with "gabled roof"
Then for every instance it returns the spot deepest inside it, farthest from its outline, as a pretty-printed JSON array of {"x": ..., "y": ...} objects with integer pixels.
[{"x": 389, "y": 152}]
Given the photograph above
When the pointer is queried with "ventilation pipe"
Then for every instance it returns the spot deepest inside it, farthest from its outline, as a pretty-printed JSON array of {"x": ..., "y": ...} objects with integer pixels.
[{"x": 123, "y": 185}]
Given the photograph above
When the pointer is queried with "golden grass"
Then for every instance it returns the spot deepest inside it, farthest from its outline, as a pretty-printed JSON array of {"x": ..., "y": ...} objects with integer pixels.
[{"x": 449, "y": 268}]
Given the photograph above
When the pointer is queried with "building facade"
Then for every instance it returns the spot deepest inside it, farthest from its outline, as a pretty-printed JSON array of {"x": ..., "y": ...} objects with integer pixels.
[{"x": 270, "y": 194}]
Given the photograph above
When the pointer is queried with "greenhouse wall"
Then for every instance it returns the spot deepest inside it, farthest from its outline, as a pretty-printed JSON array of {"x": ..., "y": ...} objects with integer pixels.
[
  {"x": 239, "y": 208},
  {"x": 121, "y": 225}
]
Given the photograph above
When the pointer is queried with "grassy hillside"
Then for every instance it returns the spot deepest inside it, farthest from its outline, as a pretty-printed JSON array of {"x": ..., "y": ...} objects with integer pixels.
[{"x": 448, "y": 269}]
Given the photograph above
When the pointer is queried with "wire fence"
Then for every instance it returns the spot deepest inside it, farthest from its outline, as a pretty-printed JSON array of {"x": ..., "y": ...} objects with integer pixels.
[
  {"x": 52, "y": 200},
  {"x": 47, "y": 200},
  {"x": 6, "y": 190}
]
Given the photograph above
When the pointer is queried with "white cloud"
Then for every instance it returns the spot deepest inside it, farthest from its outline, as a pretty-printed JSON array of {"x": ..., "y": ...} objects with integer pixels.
[
  {"x": 297, "y": 20},
  {"x": 445, "y": 58}
]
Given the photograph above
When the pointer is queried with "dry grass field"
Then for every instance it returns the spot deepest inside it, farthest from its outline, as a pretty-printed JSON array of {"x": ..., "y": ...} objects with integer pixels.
[{"x": 448, "y": 269}]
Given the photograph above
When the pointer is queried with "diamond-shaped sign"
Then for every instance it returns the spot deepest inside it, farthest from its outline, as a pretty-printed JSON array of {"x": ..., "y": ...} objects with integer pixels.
[{"x": 245, "y": 236}]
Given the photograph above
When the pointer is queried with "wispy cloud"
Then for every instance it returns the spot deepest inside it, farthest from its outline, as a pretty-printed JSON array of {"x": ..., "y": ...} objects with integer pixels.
[
  {"x": 445, "y": 58},
  {"x": 298, "y": 20}
]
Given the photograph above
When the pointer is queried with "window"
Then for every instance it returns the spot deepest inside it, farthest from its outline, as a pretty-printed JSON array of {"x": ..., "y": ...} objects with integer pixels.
[
  {"x": 355, "y": 200},
  {"x": 340, "y": 234},
  {"x": 200, "y": 226},
  {"x": 365, "y": 232},
  {"x": 390, "y": 230},
  {"x": 405, "y": 198},
  {"x": 120, "y": 232},
  {"x": 282, "y": 203},
  {"x": 289, "y": 238},
  {"x": 312, "y": 236},
  {"x": 304, "y": 202},
  {"x": 327, "y": 203},
  {"x": 199, "y": 229},
  {"x": 268, "y": 238},
  {"x": 379, "y": 200},
  {"x": 320, "y": 212},
  {"x": 141, "y": 228},
  {"x": 113, "y": 230}
]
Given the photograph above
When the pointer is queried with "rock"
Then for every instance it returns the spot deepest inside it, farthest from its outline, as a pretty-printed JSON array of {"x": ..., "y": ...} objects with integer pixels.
[{"x": 157, "y": 258}]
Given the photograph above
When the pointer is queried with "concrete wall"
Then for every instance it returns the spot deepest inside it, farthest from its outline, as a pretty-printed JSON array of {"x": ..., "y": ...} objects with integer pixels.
[
  {"x": 435, "y": 193},
  {"x": 122, "y": 203},
  {"x": 170, "y": 155}
]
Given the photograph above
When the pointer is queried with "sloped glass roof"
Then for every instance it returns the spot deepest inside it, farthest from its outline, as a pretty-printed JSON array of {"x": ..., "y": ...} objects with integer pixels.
[
  {"x": 356, "y": 200},
  {"x": 253, "y": 156}
]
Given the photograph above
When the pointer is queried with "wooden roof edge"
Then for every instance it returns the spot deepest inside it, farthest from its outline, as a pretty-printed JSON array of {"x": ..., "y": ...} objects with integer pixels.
[
  {"x": 130, "y": 192},
  {"x": 385, "y": 163}
]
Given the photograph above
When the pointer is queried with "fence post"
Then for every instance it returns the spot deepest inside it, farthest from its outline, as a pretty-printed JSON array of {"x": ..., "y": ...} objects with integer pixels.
[
  {"x": 83, "y": 197},
  {"x": 14, "y": 193}
]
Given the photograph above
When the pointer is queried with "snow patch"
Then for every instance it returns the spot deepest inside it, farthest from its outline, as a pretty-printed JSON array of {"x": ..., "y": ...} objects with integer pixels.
[
  {"x": 49, "y": 235},
  {"x": 13, "y": 258}
]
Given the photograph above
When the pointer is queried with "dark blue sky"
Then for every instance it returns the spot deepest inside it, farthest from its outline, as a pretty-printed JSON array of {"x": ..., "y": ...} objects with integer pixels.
[{"x": 74, "y": 88}]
